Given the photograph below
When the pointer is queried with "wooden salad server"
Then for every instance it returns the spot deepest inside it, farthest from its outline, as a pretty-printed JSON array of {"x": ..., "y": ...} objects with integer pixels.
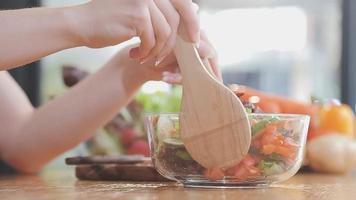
[{"x": 214, "y": 125}]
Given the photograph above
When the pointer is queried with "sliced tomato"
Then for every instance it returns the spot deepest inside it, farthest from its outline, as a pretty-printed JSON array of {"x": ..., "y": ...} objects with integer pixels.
[
  {"x": 253, "y": 171},
  {"x": 256, "y": 143},
  {"x": 278, "y": 140},
  {"x": 267, "y": 138},
  {"x": 249, "y": 160},
  {"x": 241, "y": 172},
  {"x": 268, "y": 149},
  {"x": 214, "y": 174},
  {"x": 288, "y": 142},
  {"x": 253, "y": 122},
  {"x": 285, "y": 151}
]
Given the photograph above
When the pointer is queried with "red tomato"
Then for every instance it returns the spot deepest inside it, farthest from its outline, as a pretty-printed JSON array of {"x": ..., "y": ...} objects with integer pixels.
[
  {"x": 249, "y": 160},
  {"x": 214, "y": 174},
  {"x": 241, "y": 172},
  {"x": 286, "y": 152}
]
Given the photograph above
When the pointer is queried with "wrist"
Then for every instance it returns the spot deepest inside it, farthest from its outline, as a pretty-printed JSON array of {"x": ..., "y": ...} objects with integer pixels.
[
  {"x": 125, "y": 75},
  {"x": 133, "y": 75},
  {"x": 73, "y": 20}
]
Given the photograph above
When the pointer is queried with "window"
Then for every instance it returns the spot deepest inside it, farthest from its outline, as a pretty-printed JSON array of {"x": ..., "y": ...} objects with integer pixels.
[{"x": 288, "y": 47}]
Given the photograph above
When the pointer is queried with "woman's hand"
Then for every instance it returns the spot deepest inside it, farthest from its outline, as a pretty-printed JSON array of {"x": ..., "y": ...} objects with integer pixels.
[
  {"x": 167, "y": 70},
  {"x": 103, "y": 23}
]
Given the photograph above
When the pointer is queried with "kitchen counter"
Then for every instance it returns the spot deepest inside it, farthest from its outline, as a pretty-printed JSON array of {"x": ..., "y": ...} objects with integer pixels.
[{"x": 63, "y": 185}]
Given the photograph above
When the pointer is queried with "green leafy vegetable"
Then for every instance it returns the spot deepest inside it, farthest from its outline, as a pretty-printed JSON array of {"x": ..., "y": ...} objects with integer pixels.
[
  {"x": 276, "y": 157},
  {"x": 248, "y": 110},
  {"x": 173, "y": 141},
  {"x": 183, "y": 155},
  {"x": 259, "y": 126},
  {"x": 270, "y": 167},
  {"x": 161, "y": 101},
  {"x": 264, "y": 165}
]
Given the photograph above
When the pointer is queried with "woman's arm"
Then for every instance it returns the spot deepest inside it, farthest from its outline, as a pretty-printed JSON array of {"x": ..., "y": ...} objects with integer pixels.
[
  {"x": 29, "y": 34},
  {"x": 29, "y": 138}
]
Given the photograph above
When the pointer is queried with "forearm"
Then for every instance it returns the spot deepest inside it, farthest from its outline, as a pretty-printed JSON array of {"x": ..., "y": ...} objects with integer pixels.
[
  {"x": 70, "y": 119},
  {"x": 27, "y": 35}
]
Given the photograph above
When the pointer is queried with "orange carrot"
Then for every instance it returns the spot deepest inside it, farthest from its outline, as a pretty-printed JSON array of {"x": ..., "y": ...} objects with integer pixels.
[{"x": 276, "y": 104}]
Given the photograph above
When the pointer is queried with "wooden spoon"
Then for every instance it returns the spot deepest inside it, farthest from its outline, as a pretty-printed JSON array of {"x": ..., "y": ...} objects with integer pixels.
[{"x": 214, "y": 125}]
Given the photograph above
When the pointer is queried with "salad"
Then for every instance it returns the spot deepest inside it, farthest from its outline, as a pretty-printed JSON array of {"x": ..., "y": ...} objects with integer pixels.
[{"x": 273, "y": 151}]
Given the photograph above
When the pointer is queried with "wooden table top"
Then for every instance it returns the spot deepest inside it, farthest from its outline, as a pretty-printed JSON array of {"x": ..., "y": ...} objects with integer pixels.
[{"x": 63, "y": 185}]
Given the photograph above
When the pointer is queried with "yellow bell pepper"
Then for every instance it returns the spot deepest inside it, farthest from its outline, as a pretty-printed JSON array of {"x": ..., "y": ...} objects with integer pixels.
[{"x": 336, "y": 119}]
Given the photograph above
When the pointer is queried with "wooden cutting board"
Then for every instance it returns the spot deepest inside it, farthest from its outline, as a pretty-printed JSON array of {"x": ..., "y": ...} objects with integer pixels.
[{"x": 115, "y": 168}]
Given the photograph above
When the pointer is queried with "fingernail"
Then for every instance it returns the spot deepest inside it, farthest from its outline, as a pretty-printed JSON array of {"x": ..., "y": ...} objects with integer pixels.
[
  {"x": 166, "y": 79},
  {"x": 159, "y": 60},
  {"x": 197, "y": 44},
  {"x": 143, "y": 60},
  {"x": 165, "y": 73}
]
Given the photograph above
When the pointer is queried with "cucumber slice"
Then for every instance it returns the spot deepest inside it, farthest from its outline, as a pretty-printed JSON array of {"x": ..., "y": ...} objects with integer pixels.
[
  {"x": 164, "y": 127},
  {"x": 173, "y": 142},
  {"x": 184, "y": 155},
  {"x": 259, "y": 126}
]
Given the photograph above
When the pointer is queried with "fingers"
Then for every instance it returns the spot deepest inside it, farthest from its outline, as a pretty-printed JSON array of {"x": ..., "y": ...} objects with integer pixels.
[
  {"x": 162, "y": 31},
  {"x": 189, "y": 16},
  {"x": 172, "y": 78},
  {"x": 216, "y": 70},
  {"x": 159, "y": 31},
  {"x": 146, "y": 35},
  {"x": 213, "y": 58},
  {"x": 205, "y": 50},
  {"x": 172, "y": 17}
]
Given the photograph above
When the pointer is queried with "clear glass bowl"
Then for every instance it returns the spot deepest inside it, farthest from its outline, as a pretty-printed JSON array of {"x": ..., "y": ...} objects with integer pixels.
[{"x": 275, "y": 154}]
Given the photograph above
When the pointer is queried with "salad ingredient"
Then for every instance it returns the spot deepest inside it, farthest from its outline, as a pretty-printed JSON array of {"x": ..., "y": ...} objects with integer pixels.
[
  {"x": 173, "y": 142},
  {"x": 161, "y": 101},
  {"x": 337, "y": 118},
  {"x": 165, "y": 127},
  {"x": 270, "y": 167},
  {"x": 172, "y": 154},
  {"x": 269, "y": 103},
  {"x": 128, "y": 136},
  {"x": 183, "y": 155},
  {"x": 259, "y": 126},
  {"x": 139, "y": 147},
  {"x": 244, "y": 170},
  {"x": 332, "y": 153},
  {"x": 214, "y": 174}
]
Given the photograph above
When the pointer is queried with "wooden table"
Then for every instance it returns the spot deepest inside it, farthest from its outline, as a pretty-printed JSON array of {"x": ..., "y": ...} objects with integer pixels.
[{"x": 63, "y": 185}]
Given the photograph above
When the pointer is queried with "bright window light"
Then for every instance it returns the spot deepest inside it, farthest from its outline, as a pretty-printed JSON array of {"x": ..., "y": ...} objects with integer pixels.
[{"x": 239, "y": 33}]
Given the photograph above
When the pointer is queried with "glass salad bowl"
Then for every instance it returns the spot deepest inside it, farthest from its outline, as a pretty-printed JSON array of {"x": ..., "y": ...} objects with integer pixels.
[{"x": 275, "y": 154}]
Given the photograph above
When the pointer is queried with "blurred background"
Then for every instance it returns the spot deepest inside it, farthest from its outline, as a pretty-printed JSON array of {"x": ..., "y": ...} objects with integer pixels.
[{"x": 295, "y": 48}]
